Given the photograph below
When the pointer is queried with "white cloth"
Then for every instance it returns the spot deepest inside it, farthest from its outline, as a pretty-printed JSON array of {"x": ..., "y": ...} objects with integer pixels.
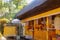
[
  {"x": 3, "y": 38},
  {"x": 16, "y": 21},
  {"x": 57, "y": 22},
  {"x": 28, "y": 37}
]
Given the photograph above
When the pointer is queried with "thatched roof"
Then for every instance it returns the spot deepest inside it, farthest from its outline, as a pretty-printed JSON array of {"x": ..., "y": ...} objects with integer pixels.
[{"x": 37, "y": 7}]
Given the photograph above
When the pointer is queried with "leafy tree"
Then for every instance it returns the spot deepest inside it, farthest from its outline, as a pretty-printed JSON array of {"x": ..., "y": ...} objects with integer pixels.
[{"x": 9, "y": 9}]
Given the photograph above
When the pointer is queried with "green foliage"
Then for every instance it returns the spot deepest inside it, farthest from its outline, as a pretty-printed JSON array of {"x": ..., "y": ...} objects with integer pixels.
[
  {"x": 0, "y": 4},
  {"x": 12, "y": 6}
]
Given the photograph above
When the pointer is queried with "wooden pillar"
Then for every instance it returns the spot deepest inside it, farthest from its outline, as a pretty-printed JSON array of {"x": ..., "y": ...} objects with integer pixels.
[
  {"x": 24, "y": 28},
  {"x": 47, "y": 24},
  {"x": 35, "y": 29},
  {"x": 26, "y": 31}
]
